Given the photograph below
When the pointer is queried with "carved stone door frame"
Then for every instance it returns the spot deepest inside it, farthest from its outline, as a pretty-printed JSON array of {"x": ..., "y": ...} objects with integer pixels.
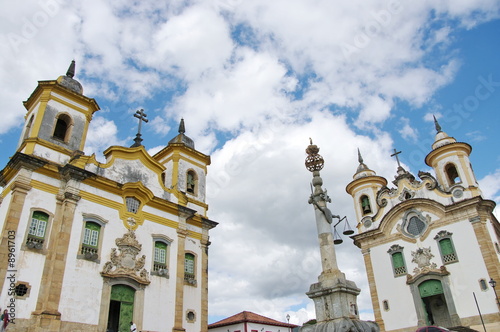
[{"x": 106, "y": 299}]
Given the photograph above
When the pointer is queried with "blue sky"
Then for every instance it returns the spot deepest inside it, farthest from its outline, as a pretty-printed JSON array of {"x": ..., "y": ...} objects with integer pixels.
[{"x": 253, "y": 81}]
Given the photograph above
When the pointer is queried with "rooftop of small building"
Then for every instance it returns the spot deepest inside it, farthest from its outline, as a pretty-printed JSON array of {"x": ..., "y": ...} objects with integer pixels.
[{"x": 247, "y": 316}]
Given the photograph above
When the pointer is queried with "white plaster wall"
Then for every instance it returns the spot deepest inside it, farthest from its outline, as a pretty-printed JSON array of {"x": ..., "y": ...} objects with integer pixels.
[
  {"x": 49, "y": 154},
  {"x": 464, "y": 276},
  {"x": 393, "y": 289},
  {"x": 29, "y": 264},
  {"x": 232, "y": 328}
]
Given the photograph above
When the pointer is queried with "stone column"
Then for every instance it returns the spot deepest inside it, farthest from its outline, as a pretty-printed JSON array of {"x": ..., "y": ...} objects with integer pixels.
[{"x": 19, "y": 188}]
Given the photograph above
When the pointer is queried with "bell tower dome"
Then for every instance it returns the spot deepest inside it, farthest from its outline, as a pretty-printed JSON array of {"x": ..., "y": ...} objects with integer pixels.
[
  {"x": 450, "y": 161},
  {"x": 364, "y": 188},
  {"x": 58, "y": 118}
]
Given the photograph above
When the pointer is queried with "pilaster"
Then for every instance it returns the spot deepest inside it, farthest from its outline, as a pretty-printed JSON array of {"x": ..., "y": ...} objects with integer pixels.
[
  {"x": 19, "y": 189},
  {"x": 179, "y": 280},
  {"x": 53, "y": 273},
  {"x": 373, "y": 289}
]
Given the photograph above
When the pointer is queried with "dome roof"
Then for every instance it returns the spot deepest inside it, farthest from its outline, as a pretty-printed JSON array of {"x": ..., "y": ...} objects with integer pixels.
[
  {"x": 182, "y": 138},
  {"x": 68, "y": 81}
]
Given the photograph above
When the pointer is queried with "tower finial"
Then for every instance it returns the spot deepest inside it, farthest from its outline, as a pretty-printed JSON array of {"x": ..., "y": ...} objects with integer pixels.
[
  {"x": 436, "y": 124},
  {"x": 360, "y": 159},
  {"x": 182, "y": 128},
  {"x": 71, "y": 69}
]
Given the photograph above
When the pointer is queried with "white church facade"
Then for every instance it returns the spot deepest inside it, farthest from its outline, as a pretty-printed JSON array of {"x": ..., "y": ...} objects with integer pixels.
[
  {"x": 93, "y": 246},
  {"x": 430, "y": 246}
]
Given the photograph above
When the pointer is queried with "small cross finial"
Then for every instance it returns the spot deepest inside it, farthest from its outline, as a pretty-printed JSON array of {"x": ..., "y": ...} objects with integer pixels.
[
  {"x": 395, "y": 154},
  {"x": 142, "y": 117}
]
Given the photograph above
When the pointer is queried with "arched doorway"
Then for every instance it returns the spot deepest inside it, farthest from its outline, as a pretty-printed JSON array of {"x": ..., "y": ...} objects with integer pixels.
[
  {"x": 434, "y": 303},
  {"x": 121, "y": 308}
]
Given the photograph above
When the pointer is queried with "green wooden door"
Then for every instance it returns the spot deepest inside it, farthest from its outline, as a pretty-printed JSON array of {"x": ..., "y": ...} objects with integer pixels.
[
  {"x": 430, "y": 287},
  {"x": 125, "y": 295}
]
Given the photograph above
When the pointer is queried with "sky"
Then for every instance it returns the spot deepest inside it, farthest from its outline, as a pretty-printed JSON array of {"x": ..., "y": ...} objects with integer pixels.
[{"x": 254, "y": 80}]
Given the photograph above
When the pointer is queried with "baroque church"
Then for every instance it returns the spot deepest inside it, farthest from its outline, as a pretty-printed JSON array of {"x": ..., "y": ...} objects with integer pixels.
[
  {"x": 94, "y": 246},
  {"x": 430, "y": 246}
]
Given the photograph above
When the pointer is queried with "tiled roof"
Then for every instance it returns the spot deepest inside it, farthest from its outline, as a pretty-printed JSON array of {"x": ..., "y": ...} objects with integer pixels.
[{"x": 247, "y": 316}]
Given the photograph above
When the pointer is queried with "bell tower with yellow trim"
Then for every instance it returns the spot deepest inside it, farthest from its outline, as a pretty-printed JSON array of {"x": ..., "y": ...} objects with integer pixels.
[
  {"x": 58, "y": 119},
  {"x": 450, "y": 161}
]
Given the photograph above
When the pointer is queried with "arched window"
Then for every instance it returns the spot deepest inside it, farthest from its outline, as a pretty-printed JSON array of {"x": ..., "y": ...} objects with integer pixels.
[
  {"x": 191, "y": 182},
  {"x": 452, "y": 174},
  {"x": 61, "y": 130},
  {"x": 365, "y": 204}
]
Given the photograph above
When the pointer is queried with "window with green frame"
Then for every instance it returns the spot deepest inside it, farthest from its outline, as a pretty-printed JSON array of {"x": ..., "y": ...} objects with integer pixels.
[
  {"x": 398, "y": 264},
  {"x": 160, "y": 255},
  {"x": 37, "y": 230},
  {"x": 446, "y": 248},
  {"x": 91, "y": 234},
  {"x": 38, "y": 224},
  {"x": 189, "y": 269},
  {"x": 90, "y": 241},
  {"x": 447, "y": 251}
]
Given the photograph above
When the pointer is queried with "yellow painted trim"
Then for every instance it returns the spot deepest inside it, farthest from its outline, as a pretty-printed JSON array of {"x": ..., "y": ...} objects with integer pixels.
[
  {"x": 44, "y": 187},
  {"x": 466, "y": 169},
  {"x": 177, "y": 148},
  {"x": 368, "y": 180},
  {"x": 72, "y": 106},
  {"x": 137, "y": 153},
  {"x": 433, "y": 158}
]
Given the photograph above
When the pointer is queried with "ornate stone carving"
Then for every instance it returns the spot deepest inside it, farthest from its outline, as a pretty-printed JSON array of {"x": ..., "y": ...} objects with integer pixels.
[
  {"x": 422, "y": 257},
  {"x": 124, "y": 261}
]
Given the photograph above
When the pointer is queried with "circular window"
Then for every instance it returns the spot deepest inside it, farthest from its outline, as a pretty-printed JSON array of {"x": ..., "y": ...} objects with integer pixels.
[{"x": 414, "y": 223}]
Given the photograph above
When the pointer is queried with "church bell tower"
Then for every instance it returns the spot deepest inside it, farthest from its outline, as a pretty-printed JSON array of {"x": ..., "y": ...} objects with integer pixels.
[{"x": 57, "y": 120}]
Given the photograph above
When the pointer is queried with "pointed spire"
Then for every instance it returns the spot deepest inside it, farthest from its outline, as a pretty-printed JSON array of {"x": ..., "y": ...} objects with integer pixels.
[
  {"x": 182, "y": 128},
  {"x": 71, "y": 69},
  {"x": 436, "y": 124},
  {"x": 360, "y": 159}
]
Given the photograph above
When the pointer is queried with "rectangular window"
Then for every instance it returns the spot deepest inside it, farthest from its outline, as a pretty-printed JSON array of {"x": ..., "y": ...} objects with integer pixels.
[
  {"x": 160, "y": 252},
  {"x": 398, "y": 264},
  {"x": 37, "y": 227},
  {"x": 447, "y": 251},
  {"x": 189, "y": 264}
]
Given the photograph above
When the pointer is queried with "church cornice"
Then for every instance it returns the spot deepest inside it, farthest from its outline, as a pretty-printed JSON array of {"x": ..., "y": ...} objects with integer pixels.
[
  {"x": 172, "y": 149},
  {"x": 450, "y": 147},
  {"x": 447, "y": 214},
  {"x": 52, "y": 85}
]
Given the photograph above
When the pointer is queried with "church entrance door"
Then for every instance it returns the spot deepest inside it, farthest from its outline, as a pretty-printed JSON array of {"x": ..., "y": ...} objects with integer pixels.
[
  {"x": 434, "y": 302},
  {"x": 121, "y": 308}
]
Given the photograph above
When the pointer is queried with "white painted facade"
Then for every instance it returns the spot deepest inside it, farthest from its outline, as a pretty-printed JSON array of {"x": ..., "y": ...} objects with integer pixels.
[
  {"x": 435, "y": 288},
  {"x": 68, "y": 291}
]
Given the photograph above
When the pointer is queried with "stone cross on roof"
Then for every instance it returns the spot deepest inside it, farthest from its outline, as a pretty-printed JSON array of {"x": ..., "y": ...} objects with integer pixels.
[{"x": 142, "y": 117}]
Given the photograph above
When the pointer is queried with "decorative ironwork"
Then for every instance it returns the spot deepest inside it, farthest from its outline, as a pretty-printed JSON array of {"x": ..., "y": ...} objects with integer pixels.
[{"x": 314, "y": 161}]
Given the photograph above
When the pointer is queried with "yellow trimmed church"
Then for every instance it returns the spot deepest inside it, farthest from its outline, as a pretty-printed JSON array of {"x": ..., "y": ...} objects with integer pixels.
[{"x": 95, "y": 246}]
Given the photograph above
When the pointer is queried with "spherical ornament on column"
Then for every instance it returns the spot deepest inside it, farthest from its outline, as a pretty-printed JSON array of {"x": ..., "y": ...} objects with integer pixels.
[{"x": 314, "y": 161}]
